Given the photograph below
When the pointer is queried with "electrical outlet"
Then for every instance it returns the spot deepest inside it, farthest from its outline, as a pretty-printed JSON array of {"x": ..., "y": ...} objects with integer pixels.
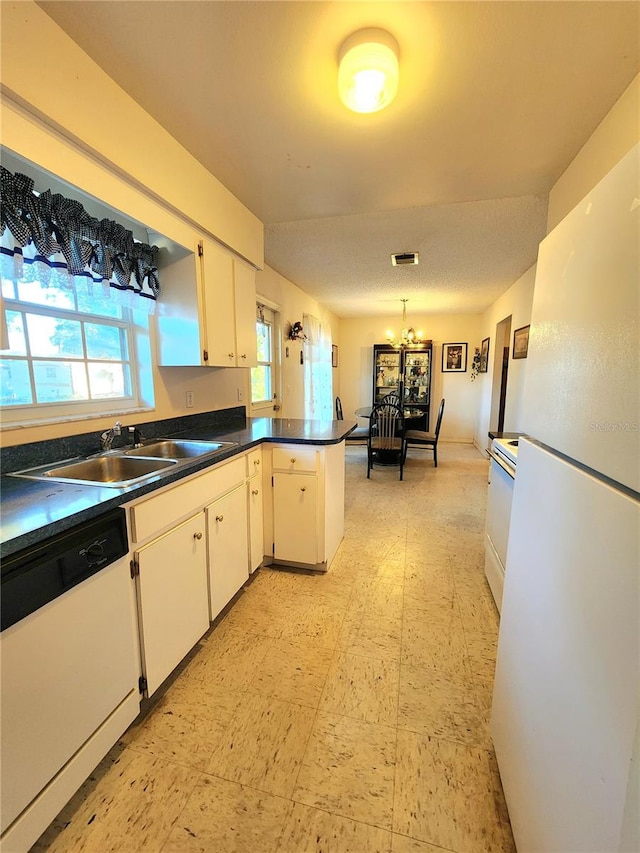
[
  {"x": 241, "y": 395},
  {"x": 189, "y": 400}
]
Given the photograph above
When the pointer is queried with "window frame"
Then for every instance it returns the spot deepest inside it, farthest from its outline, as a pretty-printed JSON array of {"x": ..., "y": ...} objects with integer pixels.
[
  {"x": 270, "y": 313},
  {"x": 130, "y": 323},
  {"x": 262, "y": 364}
]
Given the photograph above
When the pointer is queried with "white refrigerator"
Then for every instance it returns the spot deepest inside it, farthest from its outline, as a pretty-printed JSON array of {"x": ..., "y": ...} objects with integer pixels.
[{"x": 565, "y": 707}]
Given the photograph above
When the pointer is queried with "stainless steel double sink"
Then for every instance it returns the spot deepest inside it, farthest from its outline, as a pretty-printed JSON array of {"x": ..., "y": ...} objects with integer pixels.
[{"x": 126, "y": 466}]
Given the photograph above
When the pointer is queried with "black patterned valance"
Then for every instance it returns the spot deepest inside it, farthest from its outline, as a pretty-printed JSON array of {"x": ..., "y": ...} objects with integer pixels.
[{"x": 48, "y": 236}]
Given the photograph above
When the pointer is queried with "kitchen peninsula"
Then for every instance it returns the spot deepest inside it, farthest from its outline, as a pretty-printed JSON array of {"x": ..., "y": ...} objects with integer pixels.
[{"x": 32, "y": 510}]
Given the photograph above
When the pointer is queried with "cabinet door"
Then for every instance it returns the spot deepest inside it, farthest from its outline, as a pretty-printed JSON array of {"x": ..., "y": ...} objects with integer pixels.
[
  {"x": 245, "y": 302},
  {"x": 219, "y": 308},
  {"x": 228, "y": 548},
  {"x": 295, "y": 514},
  {"x": 386, "y": 372},
  {"x": 256, "y": 523},
  {"x": 172, "y": 595},
  {"x": 180, "y": 310}
]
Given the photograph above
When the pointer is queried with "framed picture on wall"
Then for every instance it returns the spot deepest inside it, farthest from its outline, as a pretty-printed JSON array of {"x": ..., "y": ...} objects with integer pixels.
[
  {"x": 454, "y": 358},
  {"x": 334, "y": 356},
  {"x": 484, "y": 356},
  {"x": 521, "y": 342}
]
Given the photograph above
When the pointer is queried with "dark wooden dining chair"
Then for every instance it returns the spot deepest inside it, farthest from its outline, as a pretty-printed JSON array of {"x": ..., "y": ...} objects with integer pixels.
[
  {"x": 419, "y": 438},
  {"x": 391, "y": 397},
  {"x": 386, "y": 442},
  {"x": 358, "y": 434}
]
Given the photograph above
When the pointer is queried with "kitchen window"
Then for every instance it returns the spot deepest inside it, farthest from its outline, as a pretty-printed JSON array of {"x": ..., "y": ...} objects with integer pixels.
[
  {"x": 72, "y": 352},
  {"x": 264, "y": 376}
]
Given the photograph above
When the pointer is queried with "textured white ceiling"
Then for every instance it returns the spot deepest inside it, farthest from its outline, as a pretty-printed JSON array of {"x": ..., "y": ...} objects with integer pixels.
[{"x": 495, "y": 100}]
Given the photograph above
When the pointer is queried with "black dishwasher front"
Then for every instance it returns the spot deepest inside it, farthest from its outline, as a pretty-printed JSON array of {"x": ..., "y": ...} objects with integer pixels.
[{"x": 37, "y": 575}]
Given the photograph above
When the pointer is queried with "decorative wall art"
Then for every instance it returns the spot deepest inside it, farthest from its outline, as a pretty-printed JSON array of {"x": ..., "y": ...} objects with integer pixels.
[
  {"x": 484, "y": 356},
  {"x": 334, "y": 355},
  {"x": 296, "y": 332},
  {"x": 521, "y": 342},
  {"x": 454, "y": 358}
]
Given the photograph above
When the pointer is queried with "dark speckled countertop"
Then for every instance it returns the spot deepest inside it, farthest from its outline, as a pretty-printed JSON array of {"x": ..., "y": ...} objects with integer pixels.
[{"x": 32, "y": 510}]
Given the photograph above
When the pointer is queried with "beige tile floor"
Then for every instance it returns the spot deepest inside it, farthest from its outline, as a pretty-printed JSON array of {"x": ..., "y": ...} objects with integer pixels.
[{"x": 337, "y": 713}]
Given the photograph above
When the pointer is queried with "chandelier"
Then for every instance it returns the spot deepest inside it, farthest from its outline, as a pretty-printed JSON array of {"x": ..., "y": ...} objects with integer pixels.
[{"x": 408, "y": 336}]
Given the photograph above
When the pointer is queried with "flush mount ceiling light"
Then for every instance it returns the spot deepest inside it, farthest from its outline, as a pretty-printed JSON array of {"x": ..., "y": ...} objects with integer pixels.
[{"x": 368, "y": 73}]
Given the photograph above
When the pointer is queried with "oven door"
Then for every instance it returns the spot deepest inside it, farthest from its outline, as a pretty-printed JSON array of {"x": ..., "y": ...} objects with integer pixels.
[{"x": 500, "y": 496}]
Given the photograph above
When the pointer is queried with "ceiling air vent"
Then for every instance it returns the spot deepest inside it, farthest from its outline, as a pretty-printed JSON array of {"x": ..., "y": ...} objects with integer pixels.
[{"x": 404, "y": 258}]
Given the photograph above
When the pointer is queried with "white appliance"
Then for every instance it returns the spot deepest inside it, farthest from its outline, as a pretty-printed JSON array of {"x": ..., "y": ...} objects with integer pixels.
[
  {"x": 70, "y": 668},
  {"x": 502, "y": 472},
  {"x": 565, "y": 707}
]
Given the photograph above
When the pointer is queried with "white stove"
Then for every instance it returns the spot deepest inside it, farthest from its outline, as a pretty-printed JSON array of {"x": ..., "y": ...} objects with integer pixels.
[
  {"x": 502, "y": 472},
  {"x": 507, "y": 448}
]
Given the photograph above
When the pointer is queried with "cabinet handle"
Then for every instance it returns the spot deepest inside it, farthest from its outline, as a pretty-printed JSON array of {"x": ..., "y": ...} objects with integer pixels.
[
  {"x": 219, "y": 517},
  {"x": 293, "y": 461},
  {"x": 244, "y": 355},
  {"x": 230, "y": 355},
  {"x": 303, "y": 488},
  {"x": 256, "y": 461},
  {"x": 254, "y": 491},
  {"x": 197, "y": 535}
]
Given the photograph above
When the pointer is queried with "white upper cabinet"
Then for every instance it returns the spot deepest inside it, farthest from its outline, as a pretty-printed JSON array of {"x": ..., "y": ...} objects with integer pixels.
[
  {"x": 207, "y": 308},
  {"x": 216, "y": 271},
  {"x": 244, "y": 283}
]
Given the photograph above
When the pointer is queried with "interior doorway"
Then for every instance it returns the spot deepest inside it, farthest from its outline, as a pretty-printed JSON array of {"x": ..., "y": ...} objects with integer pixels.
[
  {"x": 503, "y": 388},
  {"x": 500, "y": 376}
]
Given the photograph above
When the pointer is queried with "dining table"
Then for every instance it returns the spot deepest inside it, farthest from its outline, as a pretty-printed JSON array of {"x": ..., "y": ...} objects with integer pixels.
[{"x": 409, "y": 414}]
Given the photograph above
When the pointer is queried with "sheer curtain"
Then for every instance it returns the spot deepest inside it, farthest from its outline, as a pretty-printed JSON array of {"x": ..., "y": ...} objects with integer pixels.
[{"x": 318, "y": 379}]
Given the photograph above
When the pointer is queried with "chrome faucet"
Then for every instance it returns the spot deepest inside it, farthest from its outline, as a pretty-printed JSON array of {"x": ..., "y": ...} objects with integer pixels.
[{"x": 107, "y": 437}]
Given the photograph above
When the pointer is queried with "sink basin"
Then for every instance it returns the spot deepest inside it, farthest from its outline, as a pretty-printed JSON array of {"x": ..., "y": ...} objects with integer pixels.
[
  {"x": 169, "y": 448},
  {"x": 105, "y": 470}
]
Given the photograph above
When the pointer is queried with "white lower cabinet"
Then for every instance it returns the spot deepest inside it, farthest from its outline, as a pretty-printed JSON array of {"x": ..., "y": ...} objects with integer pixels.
[
  {"x": 304, "y": 509},
  {"x": 172, "y": 597},
  {"x": 227, "y": 531},
  {"x": 255, "y": 504},
  {"x": 256, "y": 523},
  {"x": 296, "y": 518}
]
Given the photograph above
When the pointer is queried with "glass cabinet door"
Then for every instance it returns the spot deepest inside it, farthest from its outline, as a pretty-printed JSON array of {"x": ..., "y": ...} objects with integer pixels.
[
  {"x": 416, "y": 378},
  {"x": 387, "y": 374}
]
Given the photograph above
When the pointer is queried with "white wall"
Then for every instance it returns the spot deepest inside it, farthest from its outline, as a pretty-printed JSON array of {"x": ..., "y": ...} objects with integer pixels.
[
  {"x": 357, "y": 338},
  {"x": 515, "y": 303},
  {"x": 292, "y": 304},
  {"x": 612, "y": 139}
]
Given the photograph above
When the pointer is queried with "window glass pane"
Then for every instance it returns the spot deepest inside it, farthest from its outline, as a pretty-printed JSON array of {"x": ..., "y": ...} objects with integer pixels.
[
  {"x": 52, "y": 295},
  {"x": 260, "y": 384},
  {"x": 109, "y": 380},
  {"x": 15, "y": 387},
  {"x": 105, "y": 341},
  {"x": 54, "y": 336},
  {"x": 8, "y": 289},
  {"x": 93, "y": 301},
  {"x": 60, "y": 381},
  {"x": 15, "y": 327},
  {"x": 263, "y": 332}
]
